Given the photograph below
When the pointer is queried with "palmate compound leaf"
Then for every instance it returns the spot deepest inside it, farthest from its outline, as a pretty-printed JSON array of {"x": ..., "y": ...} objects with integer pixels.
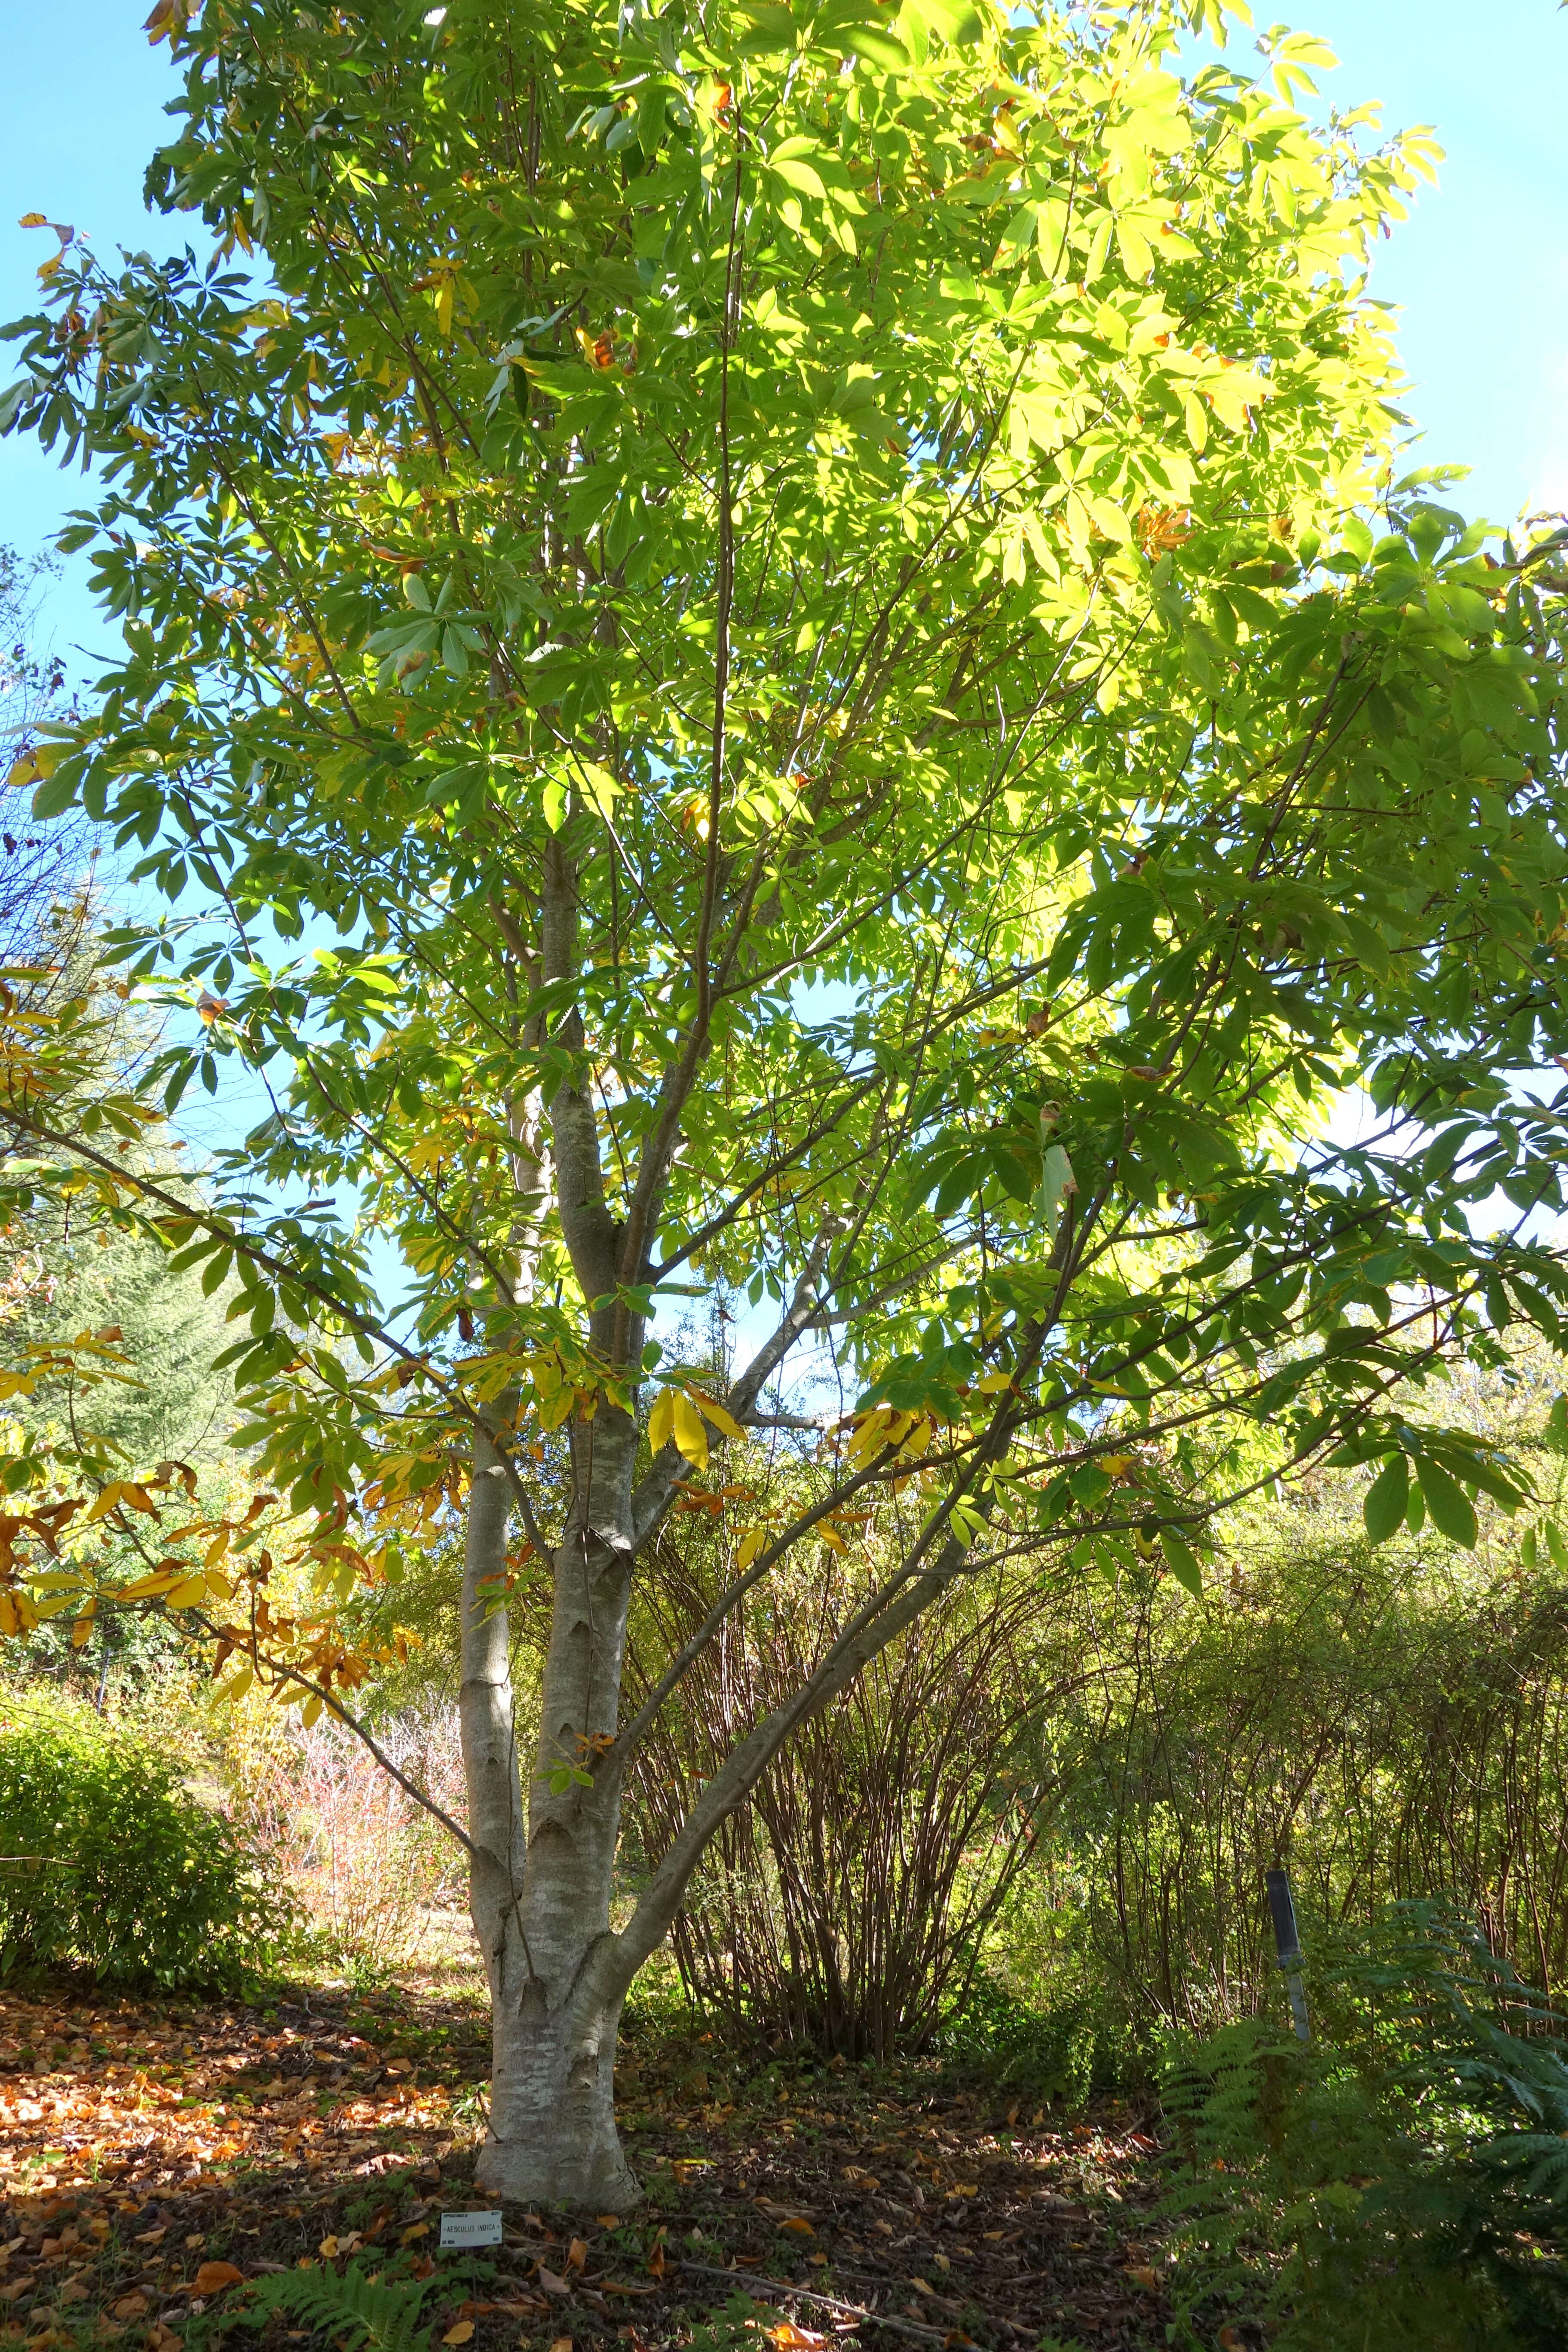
[{"x": 1385, "y": 1504}]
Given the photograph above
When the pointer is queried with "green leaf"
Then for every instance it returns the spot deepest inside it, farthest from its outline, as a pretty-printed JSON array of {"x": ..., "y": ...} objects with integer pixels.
[
  {"x": 1182, "y": 1560},
  {"x": 1385, "y": 1500},
  {"x": 1452, "y": 1512},
  {"x": 1057, "y": 1181}
]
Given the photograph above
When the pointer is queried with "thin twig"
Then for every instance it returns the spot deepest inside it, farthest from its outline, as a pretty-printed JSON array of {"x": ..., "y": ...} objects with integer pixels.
[{"x": 829, "y": 2302}]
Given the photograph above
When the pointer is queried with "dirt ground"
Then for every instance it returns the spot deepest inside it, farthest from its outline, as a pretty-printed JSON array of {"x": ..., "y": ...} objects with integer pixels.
[{"x": 163, "y": 2158}]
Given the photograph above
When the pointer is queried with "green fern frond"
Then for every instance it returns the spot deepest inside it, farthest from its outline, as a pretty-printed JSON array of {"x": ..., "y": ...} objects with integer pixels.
[{"x": 372, "y": 2314}]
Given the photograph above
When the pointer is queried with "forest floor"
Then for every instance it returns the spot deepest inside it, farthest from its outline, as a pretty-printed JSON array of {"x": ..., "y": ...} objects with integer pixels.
[{"x": 159, "y": 2157}]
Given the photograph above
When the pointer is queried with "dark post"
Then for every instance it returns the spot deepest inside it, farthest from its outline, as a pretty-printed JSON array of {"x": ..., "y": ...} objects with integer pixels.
[{"x": 1288, "y": 1944}]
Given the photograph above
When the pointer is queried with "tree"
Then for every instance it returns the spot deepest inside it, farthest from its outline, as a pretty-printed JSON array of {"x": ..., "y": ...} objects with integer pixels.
[
  {"x": 798, "y": 593},
  {"x": 40, "y": 863}
]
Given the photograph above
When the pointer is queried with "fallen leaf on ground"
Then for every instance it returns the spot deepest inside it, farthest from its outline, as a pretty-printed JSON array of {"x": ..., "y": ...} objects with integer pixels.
[
  {"x": 576, "y": 2254},
  {"x": 1143, "y": 2276},
  {"x": 562, "y": 2344},
  {"x": 131, "y": 2306},
  {"x": 798, "y": 2224},
  {"x": 551, "y": 2282},
  {"x": 461, "y": 2334},
  {"x": 214, "y": 2276},
  {"x": 791, "y": 2339}
]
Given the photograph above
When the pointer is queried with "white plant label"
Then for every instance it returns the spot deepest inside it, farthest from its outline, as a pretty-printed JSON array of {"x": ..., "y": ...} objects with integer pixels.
[{"x": 470, "y": 2228}]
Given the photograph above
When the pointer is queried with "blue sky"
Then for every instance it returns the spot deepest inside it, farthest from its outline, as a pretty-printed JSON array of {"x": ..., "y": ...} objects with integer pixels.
[{"x": 1480, "y": 270}]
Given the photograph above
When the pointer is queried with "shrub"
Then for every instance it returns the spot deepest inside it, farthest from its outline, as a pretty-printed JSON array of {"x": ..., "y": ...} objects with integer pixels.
[
  {"x": 1062, "y": 2049},
  {"x": 370, "y": 1870},
  {"x": 112, "y": 1864},
  {"x": 843, "y": 1908},
  {"x": 1402, "y": 2180}
]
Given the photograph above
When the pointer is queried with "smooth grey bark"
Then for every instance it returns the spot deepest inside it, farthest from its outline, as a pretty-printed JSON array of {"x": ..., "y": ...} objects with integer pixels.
[{"x": 541, "y": 1902}]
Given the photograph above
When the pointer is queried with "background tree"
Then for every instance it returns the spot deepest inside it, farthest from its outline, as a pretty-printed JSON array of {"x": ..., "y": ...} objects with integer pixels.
[
  {"x": 43, "y": 863},
  {"x": 796, "y": 588}
]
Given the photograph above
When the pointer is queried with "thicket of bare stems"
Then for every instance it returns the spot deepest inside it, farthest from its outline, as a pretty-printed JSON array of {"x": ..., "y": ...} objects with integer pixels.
[
  {"x": 844, "y": 1906},
  {"x": 374, "y": 1872}
]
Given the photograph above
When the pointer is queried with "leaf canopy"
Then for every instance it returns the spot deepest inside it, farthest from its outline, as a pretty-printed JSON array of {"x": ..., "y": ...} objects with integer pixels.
[{"x": 783, "y": 655}]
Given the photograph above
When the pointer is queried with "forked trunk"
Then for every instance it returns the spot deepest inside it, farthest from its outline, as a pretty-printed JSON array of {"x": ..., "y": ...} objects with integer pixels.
[
  {"x": 552, "y": 2137},
  {"x": 541, "y": 1901}
]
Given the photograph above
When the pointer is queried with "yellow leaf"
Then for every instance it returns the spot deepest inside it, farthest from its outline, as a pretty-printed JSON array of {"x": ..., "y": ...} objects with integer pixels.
[
  {"x": 217, "y": 1548},
  {"x": 189, "y": 1590},
  {"x": 871, "y": 1431},
  {"x": 444, "y": 323},
  {"x": 161, "y": 1581},
  {"x": 722, "y": 1419},
  {"x": 799, "y": 2225},
  {"x": 689, "y": 1434},
  {"x": 82, "y": 1631},
  {"x": 751, "y": 1546},
  {"x": 465, "y": 2328},
  {"x": 993, "y": 1383},
  {"x": 34, "y": 766},
  {"x": 34, "y": 220},
  {"x": 661, "y": 1421},
  {"x": 310, "y": 1712},
  {"x": 554, "y": 1410},
  {"x": 236, "y": 1687},
  {"x": 121, "y": 1491}
]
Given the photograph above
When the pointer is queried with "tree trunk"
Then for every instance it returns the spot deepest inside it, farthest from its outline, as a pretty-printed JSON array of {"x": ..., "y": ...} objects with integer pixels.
[
  {"x": 552, "y": 2137},
  {"x": 541, "y": 1906}
]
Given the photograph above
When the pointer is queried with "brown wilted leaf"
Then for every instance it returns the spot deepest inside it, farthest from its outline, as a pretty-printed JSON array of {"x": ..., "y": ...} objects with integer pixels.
[
  {"x": 132, "y": 2305},
  {"x": 1142, "y": 2275},
  {"x": 576, "y": 2254},
  {"x": 213, "y": 2277},
  {"x": 791, "y": 2339},
  {"x": 551, "y": 2282},
  {"x": 799, "y": 2225}
]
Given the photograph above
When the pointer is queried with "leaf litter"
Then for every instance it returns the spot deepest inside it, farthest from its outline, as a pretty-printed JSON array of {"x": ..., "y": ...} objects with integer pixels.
[{"x": 159, "y": 2159}]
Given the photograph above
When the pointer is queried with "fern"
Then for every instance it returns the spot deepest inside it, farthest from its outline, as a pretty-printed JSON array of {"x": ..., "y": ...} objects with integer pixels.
[
  {"x": 1402, "y": 2181},
  {"x": 365, "y": 2313}
]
